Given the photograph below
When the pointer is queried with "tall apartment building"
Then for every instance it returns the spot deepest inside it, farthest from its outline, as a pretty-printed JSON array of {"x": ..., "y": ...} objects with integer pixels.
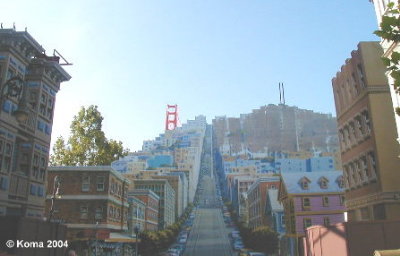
[
  {"x": 177, "y": 186},
  {"x": 93, "y": 198},
  {"x": 388, "y": 48},
  {"x": 276, "y": 128},
  {"x": 163, "y": 189},
  {"x": 151, "y": 200},
  {"x": 24, "y": 147},
  {"x": 367, "y": 135}
]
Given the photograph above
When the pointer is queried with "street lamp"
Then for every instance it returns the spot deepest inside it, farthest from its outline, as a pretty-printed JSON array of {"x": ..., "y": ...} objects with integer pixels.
[
  {"x": 14, "y": 87},
  {"x": 56, "y": 195},
  {"x": 136, "y": 230}
]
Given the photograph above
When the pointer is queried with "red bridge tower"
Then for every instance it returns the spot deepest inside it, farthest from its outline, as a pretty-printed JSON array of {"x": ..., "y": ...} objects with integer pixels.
[{"x": 171, "y": 121}]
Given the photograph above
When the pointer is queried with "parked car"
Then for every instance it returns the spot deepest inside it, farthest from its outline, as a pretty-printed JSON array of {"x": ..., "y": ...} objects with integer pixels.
[
  {"x": 173, "y": 252},
  {"x": 256, "y": 254},
  {"x": 238, "y": 246},
  {"x": 182, "y": 240},
  {"x": 177, "y": 248}
]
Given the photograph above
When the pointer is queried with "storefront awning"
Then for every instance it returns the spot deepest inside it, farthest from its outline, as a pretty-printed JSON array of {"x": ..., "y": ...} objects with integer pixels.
[{"x": 120, "y": 238}]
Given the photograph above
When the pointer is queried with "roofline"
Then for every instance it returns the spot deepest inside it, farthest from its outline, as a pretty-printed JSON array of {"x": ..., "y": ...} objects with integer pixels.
[{"x": 86, "y": 169}]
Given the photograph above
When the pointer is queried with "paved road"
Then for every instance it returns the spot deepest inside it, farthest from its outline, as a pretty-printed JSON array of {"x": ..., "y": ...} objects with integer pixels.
[{"x": 209, "y": 236}]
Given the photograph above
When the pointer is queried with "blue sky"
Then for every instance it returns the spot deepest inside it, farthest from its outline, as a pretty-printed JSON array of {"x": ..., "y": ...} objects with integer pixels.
[{"x": 211, "y": 57}]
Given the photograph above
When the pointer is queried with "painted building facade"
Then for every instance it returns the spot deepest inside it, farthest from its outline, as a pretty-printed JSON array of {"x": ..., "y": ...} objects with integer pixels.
[
  {"x": 257, "y": 198},
  {"x": 93, "y": 198},
  {"x": 310, "y": 198},
  {"x": 163, "y": 189},
  {"x": 24, "y": 146},
  {"x": 367, "y": 135},
  {"x": 151, "y": 201},
  {"x": 388, "y": 48}
]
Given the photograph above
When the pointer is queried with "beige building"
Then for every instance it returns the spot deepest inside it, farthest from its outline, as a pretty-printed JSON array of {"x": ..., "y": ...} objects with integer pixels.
[
  {"x": 24, "y": 146},
  {"x": 388, "y": 48},
  {"x": 367, "y": 135},
  {"x": 163, "y": 189}
]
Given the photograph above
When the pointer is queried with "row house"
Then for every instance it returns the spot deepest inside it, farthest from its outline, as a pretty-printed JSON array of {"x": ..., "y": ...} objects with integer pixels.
[
  {"x": 274, "y": 212},
  {"x": 91, "y": 199},
  {"x": 136, "y": 214},
  {"x": 310, "y": 198},
  {"x": 239, "y": 196},
  {"x": 257, "y": 198},
  {"x": 151, "y": 201},
  {"x": 367, "y": 136}
]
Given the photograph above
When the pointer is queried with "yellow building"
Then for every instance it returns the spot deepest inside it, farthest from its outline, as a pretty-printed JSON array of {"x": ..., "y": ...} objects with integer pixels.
[{"x": 367, "y": 135}]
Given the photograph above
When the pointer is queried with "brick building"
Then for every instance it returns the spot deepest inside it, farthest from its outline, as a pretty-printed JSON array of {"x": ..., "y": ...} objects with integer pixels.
[
  {"x": 24, "y": 146},
  {"x": 257, "y": 199},
  {"x": 151, "y": 201},
  {"x": 367, "y": 135},
  {"x": 93, "y": 200}
]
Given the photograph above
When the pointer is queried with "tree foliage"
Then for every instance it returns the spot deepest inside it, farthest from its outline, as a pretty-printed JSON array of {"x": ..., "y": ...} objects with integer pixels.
[
  {"x": 390, "y": 30},
  {"x": 87, "y": 143},
  {"x": 264, "y": 239}
]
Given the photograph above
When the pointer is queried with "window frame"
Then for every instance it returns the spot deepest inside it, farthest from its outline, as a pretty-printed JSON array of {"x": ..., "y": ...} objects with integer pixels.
[
  {"x": 85, "y": 184},
  {"x": 303, "y": 200}
]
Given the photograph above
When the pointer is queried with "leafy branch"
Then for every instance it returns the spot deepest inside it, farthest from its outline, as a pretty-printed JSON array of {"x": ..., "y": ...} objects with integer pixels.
[{"x": 390, "y": 30}]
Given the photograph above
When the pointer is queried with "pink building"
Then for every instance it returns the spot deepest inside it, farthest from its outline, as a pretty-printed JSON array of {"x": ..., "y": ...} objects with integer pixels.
[{"x": 310, "y": 198}]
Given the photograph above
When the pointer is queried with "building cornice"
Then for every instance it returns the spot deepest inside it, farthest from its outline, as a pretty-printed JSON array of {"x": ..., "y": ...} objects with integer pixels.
[
  {"x": 96, "y": 226},
  {"x": 90, "y": 197}
]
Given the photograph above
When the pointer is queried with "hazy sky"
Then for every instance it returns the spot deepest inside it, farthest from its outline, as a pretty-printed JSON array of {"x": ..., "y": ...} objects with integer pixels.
[{"x": 211, "y": 57}]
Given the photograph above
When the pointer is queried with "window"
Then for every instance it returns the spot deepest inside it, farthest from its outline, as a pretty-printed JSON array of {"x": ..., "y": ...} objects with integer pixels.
[
  {"x": 341, "y": 199},
  {"x": 307, "y": 223},
  {"x": 304, "y": 183},
  {"x": 85, "y": 183},
  {"x": 100, "y": 183},
  {"x": 372, "y": 162},
  {"x": 110, "y": 212},
  {"x": 359, "y": 126},
  {"x": 325, "y": 201},
  {"x": 367, "y": 122},
  {"x": 364, "y": 213},
  {"x": 306, "y": 203},
  {"x": 4, "y": 183},
  {"x": 323, "y": 183},
  {"x": 327, "y": 222},
  {"x": 99, "y": 213},
  {"x": 33, "y": 190},
  {"x": 84, "y": 212},
  {"x": 361, "y": 75},
  {"x": 40, "y": 191},
  {"x": 283, "y": 220},
  {"x": 340, "y": 181}
]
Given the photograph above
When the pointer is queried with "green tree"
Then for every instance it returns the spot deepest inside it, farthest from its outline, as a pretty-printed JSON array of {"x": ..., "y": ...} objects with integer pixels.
[
  {"x": 87, "y": 144},
  {"x": 390, "y": 30},
  {"x": 264, "y": 239}
]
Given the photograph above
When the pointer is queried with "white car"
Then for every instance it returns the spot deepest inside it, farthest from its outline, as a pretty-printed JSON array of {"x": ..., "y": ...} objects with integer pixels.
[
  {"x": 238, "y": 246},
  {"x": 182, "y": 239}
]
